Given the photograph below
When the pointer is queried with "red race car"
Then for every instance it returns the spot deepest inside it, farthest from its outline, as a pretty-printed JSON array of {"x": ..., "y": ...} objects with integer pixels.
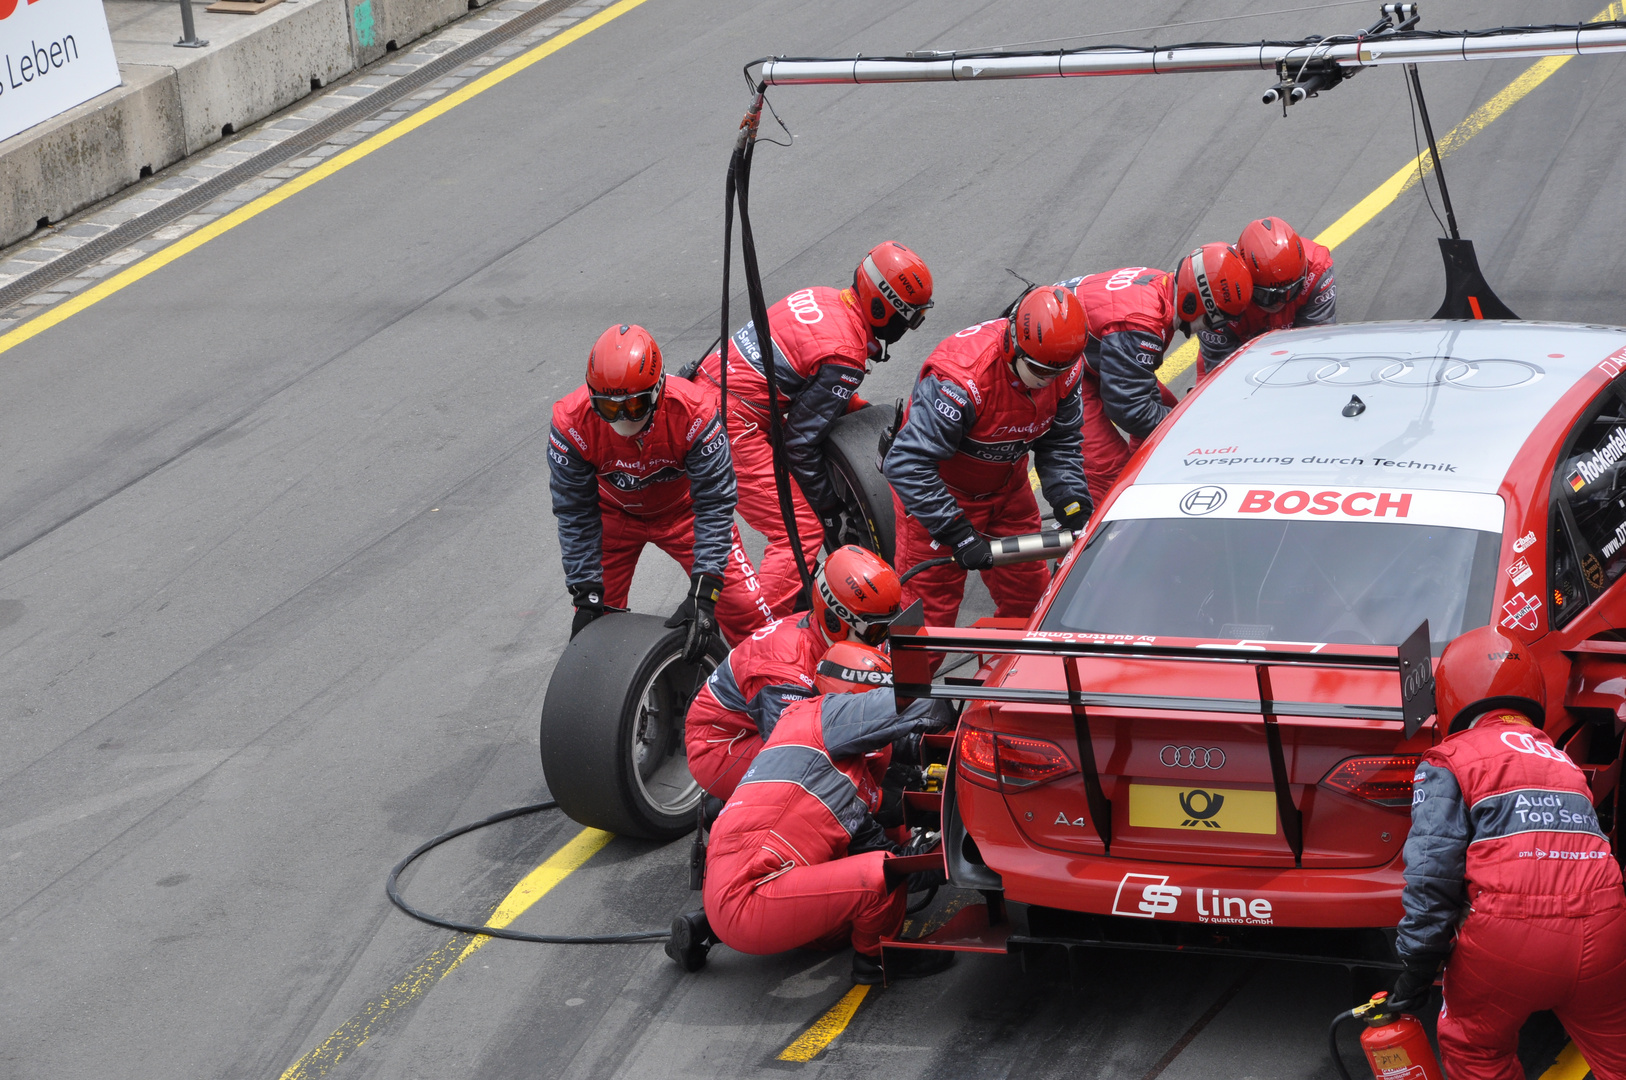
[{"x": 1204, "y": 738}]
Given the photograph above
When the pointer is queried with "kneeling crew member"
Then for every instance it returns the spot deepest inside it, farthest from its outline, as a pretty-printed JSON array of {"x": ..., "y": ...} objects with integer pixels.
[
  {"x": 797, "y": 857},
  {"x": 638, "y": 460},
  {"x": 958, "y": 466},
  {"x": 1292, "y": 286},
  {"x": 1133, "y": 314},
  {"x": 1506, "y": 855},
  {"x": 824, "y": 340},
  {"x": 856, "y": 596}
]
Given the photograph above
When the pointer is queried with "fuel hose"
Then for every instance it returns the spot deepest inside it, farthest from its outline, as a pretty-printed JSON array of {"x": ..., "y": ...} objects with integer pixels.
[{"x": 393, "y": 888}]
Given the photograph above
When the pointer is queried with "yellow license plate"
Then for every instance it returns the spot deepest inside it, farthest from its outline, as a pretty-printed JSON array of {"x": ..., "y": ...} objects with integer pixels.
[{"x": 1201, "y": 810}]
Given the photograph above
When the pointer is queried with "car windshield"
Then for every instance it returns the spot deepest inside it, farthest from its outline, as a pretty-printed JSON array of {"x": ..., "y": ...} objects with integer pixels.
[{"x": 1323, "y": 581}]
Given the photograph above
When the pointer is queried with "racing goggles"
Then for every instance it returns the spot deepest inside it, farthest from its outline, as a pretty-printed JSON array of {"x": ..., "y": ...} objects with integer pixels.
[
  {"x": 635, "y": 407},
  {"x": 1042, "y": 372},
  {"x": 911, "y": 314},
  {"x": 869, "y": 628},
  {"x": 1269, "y": 296}
]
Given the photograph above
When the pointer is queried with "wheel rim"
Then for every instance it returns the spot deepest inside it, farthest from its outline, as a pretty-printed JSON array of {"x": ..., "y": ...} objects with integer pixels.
[
  {"x": 861, "y": 529},
  {"x": 660, "y": 766}
]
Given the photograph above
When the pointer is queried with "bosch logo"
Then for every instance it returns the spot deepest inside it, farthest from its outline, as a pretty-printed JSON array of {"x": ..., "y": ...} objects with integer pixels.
[
  {"x": 804, "y": 307},
  {"x": 1419, "y": 373},
  {"x": 1203, "y": 500},
  {"x": 1192, "y": 757}
]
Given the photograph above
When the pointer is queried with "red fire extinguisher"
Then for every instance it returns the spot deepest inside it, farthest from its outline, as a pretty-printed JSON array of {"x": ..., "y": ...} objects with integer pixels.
[{"x": 1395, "y": 1044}]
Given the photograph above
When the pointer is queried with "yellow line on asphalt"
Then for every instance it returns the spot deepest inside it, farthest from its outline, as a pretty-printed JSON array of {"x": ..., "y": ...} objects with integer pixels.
[
  {"x": 1569, "y": 1066},
  {"x": 827, "y": 1027},
  {"x": 69, "y": 308},
  {"x": 1408, "y": 175},
  {"x": 440, "y": 963}
]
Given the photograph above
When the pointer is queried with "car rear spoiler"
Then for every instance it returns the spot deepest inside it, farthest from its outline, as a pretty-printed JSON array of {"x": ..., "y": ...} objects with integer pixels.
[{"x": 913, "y": 642}]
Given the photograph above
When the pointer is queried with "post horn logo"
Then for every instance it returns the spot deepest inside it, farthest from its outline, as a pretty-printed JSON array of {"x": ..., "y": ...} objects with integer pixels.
[{"x": 1204, "y": 813}]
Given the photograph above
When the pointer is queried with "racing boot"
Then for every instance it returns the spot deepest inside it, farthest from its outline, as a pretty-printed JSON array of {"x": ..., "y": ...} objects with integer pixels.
[
  {"x": 691, "y": 940},
  {"x": 904, "y": 964}
]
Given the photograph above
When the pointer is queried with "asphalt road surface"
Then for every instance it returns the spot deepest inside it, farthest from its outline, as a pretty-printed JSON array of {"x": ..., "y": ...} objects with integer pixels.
[{"x": 280, "y": 593}]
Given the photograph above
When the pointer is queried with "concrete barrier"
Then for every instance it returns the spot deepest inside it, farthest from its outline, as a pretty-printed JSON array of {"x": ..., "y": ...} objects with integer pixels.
[
  {"x": 91, "y": 151},
  {"x": 175, "y": 102}
]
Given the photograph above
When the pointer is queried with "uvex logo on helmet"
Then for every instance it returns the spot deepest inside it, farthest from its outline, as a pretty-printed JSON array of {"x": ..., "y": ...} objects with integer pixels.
[{"x": 831, "y": 670}]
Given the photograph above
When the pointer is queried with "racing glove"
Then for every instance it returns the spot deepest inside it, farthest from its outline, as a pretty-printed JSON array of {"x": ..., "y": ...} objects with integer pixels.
[
  {"x": 1416, "y": 980},
  {"x": 1075, "y": 514},
  {"x": 699, "y": 610},
  {"x": 970, "y": 550},
  {"x": 588, "y": 599}
]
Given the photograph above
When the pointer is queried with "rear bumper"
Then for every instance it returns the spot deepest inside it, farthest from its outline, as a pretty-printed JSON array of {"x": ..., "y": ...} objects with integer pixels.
[{"x": 1184, "y": 893}]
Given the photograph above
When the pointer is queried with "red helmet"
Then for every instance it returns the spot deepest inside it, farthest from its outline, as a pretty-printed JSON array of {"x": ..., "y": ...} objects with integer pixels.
[
  {"x": 1048, "y": 331},
  {"x": 894, "y": 289},
  {"x": 1213, "y": 281},
  {"x": 1275, "y": 257},
  {"x": 1485, "y": 669},
  {"x": 624, "y": 374},
  {"x": 856, "y": 595},
  {"x": 851, "y": 667}
]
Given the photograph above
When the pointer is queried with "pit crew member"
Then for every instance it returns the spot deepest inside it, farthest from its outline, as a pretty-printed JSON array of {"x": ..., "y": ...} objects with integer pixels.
[
  {"x": 856, "y": 596},
  {"x": 1292, "y": 286},
  {"x": 1133, "y": 315},
  {"x": 637, "y": 459},
  {"x": 958, "y": 466},
  {"x": 797, "y": 857},
  {"x": 824, "y": 341},
  {"x": 1505, "y": 856}
]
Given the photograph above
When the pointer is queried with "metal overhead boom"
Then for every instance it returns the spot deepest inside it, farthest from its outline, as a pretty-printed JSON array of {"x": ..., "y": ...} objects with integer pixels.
[{"x": 1350, "y": 53}]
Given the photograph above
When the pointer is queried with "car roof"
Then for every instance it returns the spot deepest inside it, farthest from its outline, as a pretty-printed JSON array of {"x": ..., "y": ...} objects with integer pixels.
[{"x": 1447, "y": 405}]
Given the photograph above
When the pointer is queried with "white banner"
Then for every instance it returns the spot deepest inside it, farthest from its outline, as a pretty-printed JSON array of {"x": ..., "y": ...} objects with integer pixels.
[{"x": 54, "y": 54}]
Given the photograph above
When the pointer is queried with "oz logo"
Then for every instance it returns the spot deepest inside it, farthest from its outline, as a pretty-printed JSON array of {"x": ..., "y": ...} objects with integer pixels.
[
  {"x": 1202, "y": 500},
  {"x": 1145, "y": 896}
]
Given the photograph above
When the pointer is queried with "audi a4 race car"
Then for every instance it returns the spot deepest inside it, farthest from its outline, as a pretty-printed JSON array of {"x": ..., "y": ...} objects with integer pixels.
[{"x": 1202, "y": 738}]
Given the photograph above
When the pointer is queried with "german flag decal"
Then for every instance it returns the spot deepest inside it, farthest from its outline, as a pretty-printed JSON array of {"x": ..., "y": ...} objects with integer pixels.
[{"x": 1576, "y": 481}]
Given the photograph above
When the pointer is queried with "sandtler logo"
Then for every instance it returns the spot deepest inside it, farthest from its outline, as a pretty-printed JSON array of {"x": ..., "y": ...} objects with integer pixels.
[{"x": 1202, "y": 500}]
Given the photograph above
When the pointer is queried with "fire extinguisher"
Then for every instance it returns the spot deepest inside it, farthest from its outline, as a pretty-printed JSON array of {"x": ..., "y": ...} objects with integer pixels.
[{"x": 1395, "y": 1044}]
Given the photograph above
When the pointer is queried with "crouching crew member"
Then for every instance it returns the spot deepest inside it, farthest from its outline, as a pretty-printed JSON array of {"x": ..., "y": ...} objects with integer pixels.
[
  {"x": 1505, "y": 856},
  {"x": 958, "y": 466},
  {"x": 637, "y": 459},
  {"x": 797, "y": 857},
  {"x": 1292, "y": 286},
  {"x": 823, "y": 342},
  {"x": 1133, "y": 314},
  {"x": 856, "y": 597}
]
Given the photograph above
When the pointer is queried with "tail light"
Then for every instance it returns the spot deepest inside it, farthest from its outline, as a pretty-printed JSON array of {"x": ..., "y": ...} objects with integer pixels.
[
  {"x": 1384, "y": 781},
  {"x": 1011, "y": 761}
]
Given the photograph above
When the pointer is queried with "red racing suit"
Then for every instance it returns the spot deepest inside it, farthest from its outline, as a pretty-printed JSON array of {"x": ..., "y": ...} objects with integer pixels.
[
  {"x": 1315, "y": 305},
  {"x": 1131, "y": 318},
  {"x": 961, "y": 457},
  {"x": 736, "y": 710},
  {"x": 796, "y": 855},
  {"x": 822, "y": 346},
  {"x": 1504, "y": 833},
  {"x": 670, "y": 485}
]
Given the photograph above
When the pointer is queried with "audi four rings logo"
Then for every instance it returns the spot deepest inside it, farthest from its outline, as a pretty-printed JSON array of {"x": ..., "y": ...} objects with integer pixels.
[
  {"x": 1420, "y": 372},
  {"x": 1202, "y": 500},
  {"x": 1192, "y": 757}
]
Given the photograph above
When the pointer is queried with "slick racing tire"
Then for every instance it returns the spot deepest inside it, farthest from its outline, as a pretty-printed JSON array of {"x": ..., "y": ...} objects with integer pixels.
[
  {"x": 612, "y": 727},
  {"x": 852, "y": 452}
]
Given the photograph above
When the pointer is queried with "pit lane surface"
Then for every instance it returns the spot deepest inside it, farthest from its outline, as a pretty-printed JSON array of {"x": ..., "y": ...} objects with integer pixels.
[{"x": 282, "y": 593}]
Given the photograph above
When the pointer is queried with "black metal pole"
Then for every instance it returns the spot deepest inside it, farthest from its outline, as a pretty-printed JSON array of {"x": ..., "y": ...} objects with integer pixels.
[{"x": 1433, "y": 151}]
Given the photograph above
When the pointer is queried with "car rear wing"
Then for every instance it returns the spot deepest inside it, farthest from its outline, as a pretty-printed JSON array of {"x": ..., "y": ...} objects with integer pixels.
[{"x": 913, "y": 643}]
